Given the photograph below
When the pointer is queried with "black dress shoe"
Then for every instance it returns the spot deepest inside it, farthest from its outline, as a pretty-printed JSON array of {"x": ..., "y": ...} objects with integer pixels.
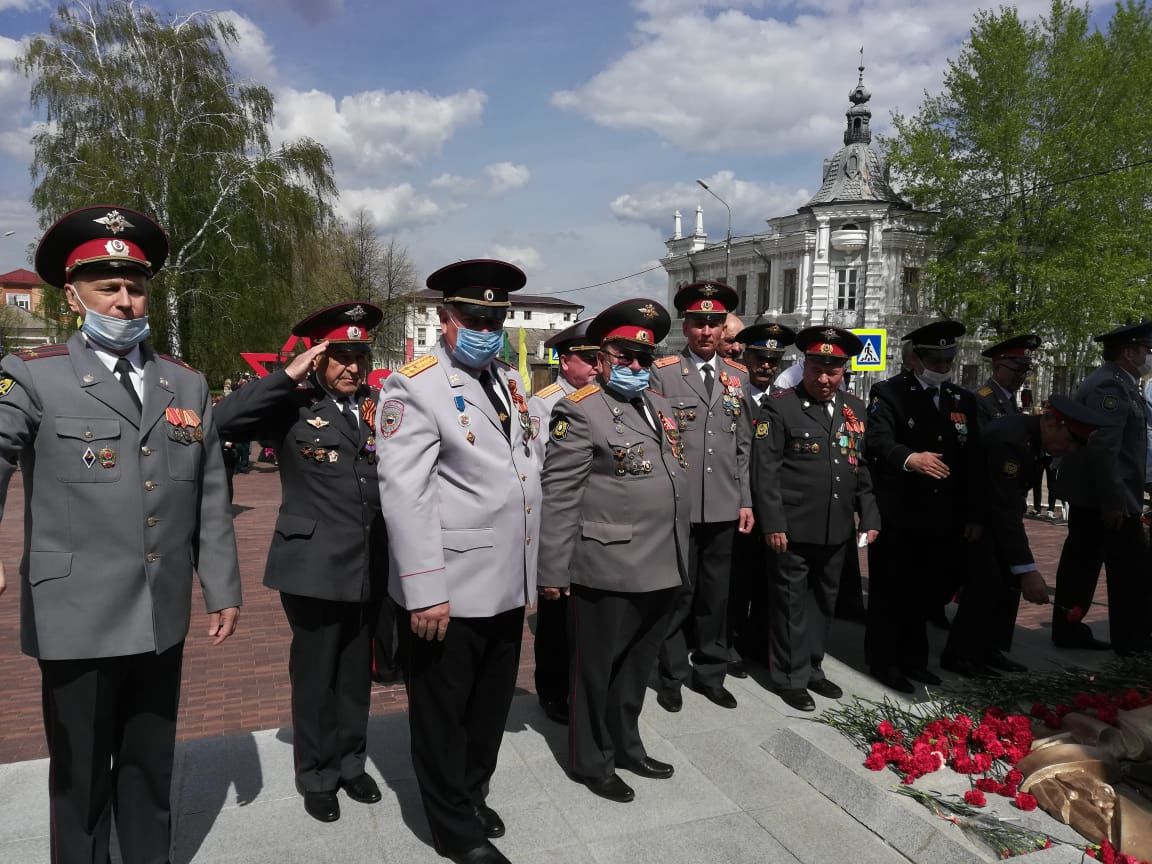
[
  {"x": 921, "y": 674},
  {"x": 555, "y": 710},
  {"x": 322, "y": 806},
  {"x": 736, "y": 669},
  {"x": 362, "y": 789},
  {"x": 649, "y": 767},
  {"x": 825, "y": 688},
  {"x": 485, "y": 854},
  {"x": 670, "y": 700},
  {"x": 996, "y": 660},
  {"x": 489, "y": 820},
  {"x": 388, "y": 675},
  {"x": 1081, "y": 643},
  {"x": 797, "y": 698},
  {"x": 966, "y": 668},
  {"x": 892, "y": 677},
  {"x": 939, "y": 620},
  {"x": 716, "y": 695},
  {"x": 612, "y": 788}
]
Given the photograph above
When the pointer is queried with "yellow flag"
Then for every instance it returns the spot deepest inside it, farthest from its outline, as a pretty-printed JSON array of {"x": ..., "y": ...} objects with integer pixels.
[{"x": 523, "y": 366}]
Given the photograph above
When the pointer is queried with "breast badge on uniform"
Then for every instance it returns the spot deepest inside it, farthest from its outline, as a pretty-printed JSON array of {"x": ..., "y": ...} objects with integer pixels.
[
  {"x": 317, "y": 422},
  {"x": 391, "y": 415},
  {"x": 630, "y": 460},
  {"x": 960, "y": 422},
  {"x": 1011, "y": 468},
  {"x": 107, "y": 457},
  {"x": 5, "y": 386},
  {"x": 762, "y": 428},
  {"x": 89, "y": 458}
]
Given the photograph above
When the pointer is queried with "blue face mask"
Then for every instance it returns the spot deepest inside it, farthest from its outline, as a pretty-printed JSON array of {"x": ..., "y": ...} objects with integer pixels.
[
  {"x": 115, "y": 334},
  {"x": 475, "y": 348},
  {"x": 628, "y": 383}
]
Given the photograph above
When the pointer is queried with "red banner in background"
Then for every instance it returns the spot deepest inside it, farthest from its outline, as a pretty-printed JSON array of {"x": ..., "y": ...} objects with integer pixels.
[{"x": 257, "y": 359}]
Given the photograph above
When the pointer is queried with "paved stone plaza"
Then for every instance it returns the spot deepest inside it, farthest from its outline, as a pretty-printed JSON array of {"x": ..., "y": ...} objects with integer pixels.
[{"x": 731, "y": 801}]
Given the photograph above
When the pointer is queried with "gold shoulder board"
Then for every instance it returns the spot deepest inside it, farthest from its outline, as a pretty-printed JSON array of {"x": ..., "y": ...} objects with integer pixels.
[
  {"x": 984, "y": 391},
  {"x": 733, "y": 363},
  {"x": 548, "y": 391},
  {"x": 583, "y": 393},
  {"x": 666, "y": 361},
  {"x": 415, "y": 367}
]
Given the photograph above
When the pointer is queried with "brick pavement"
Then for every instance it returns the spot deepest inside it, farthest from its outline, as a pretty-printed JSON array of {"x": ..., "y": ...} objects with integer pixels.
[{"x": 243, "y": 685}]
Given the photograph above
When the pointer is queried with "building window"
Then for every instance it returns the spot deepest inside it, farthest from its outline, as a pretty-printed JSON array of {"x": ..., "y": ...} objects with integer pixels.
[
  {"x": 421, "y": 310},
  {"x": 527, "y": 314},
  {"x": 567, "y": 316},
  {"x": 910, "y": 291},
  {"x": 846, "y": 288},
  {"x": 763, "y": 290},
  {"x": 24, "y": 301},
  {"x": 421, "y": 335},
  {"x": 788, "y": 303},
  {"x": 511, "y": 314},
  {"x": 742, "y": 291}
]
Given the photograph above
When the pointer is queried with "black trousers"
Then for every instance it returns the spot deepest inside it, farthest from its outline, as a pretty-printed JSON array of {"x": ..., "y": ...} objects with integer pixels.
[
  {"x": 804, "y": 583},
  {"x": 909, "y": 576},
  {"x": 111, "y": 730},
  {"x": 385, "y": 657},
  {"x": 749, "y": 598},
  {"x": 551, "y": 649},
  {"x": 702, "y": 605},
  {"x": 850, "y": 596},
  {"x": 329, "y": 664},
  {"x": 1124, "y": 552},
  {"x": 615, "y": 638},
  {"x": 459, "y": 692},
  {"x": 989, "y": 601}
]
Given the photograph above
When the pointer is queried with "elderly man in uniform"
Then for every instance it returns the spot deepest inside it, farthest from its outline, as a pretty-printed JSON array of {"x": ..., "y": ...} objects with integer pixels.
[
  {"x": 577, "y": 358},
  {"x": 1105, "y": 485},
  {"x": 616, "y": 493},
  {"x": 764, "y": 346},
  {"x": 923, "y": 452},
  {"x": 1011, "y": 363},
  {"x": 329, "y": 552},
  {"x": 810, "y": 480},
  {"x": 1005, "y": 567},
  {"x": 460, "y": 492},
  {"x": 708, "y": 393},
  {"x": 125, "y": 499}
]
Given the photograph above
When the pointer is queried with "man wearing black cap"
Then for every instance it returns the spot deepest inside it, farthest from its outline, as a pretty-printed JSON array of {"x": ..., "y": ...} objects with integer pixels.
[
  {"x": 922, "y": 448},
  {"x": 1012, "y": 360},
  {"x": 460, "y": 493},
  {"x": 1104, "y": 483},
  {"x": 616, "y": 536},
  {"x": 126, "y": 499},
  {"x": 764, "y": 346},
  {"x": 329, "y": 552},
  {"x": 709, "y": 404},
  {"x": 1004, "y": 567},
  {"x": 810, "y": 480},
  {"x": 577, "y": 358}
]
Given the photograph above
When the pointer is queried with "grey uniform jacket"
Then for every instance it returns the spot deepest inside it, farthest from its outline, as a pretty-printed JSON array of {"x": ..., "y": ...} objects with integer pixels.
[
  {"x": 329, "y": 540},
  {"x": 993, "y": 402},
  {"x": 540, "y": 410},
  {"x": 1108, "y": 474},
  {"x": 119, "y": 509},
  {"x": 616, "y": 496},
  {"x": 717, "y": 433},
  {"x": 461, "y": 500}
]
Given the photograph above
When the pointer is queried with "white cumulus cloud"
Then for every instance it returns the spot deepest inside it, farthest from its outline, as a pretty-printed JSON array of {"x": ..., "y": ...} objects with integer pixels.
[
  {"x": 505, "y": 176},
  {"x": 524, "y": 257},
  {"x": 393, "y": 207},
  {"x": 452, "y": 183},
  {"x": 251, "y": 56}
]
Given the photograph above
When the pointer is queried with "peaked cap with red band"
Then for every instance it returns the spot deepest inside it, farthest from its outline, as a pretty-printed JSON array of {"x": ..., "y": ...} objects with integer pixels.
[
  {"x": 640, "y": 322},
  {"x": 706, "y": 299},
  {"x": 344, "y": 323},
  {"x": 1018, "y": 349},
  {"x": 105, "y": 234},
  {"x": 1080, "y": 420},
  {"x": 831, "y": 343}
]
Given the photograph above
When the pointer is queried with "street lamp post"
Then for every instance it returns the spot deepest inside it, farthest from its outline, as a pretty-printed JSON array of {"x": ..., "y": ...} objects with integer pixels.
[{"x": 728, "y": 240}]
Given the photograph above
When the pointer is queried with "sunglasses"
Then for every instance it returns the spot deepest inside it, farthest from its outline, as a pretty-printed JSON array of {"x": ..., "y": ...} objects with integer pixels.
[{"x": 627, "y": 358}]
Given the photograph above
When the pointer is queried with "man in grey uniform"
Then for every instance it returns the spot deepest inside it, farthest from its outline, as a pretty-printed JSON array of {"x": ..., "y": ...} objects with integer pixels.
[
  {"x": 709, "y": 405},
  {"x": 460, "y": 493},
  {"x": 616, "y": 536},
  {"x": 126, "y": 497},
  {"x": 577, "y": 359}
]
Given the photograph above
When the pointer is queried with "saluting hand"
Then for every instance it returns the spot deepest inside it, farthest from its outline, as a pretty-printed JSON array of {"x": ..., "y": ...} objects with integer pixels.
[
  {"x": 222, "y": 624},
  {"x": 929, "y": 464},
  {"x": 431, "y": 623},
  {"x": 301, "y": 364}
]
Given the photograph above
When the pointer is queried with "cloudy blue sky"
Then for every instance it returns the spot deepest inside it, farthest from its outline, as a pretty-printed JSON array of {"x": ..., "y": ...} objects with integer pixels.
[{"x": 558, "y": 135}]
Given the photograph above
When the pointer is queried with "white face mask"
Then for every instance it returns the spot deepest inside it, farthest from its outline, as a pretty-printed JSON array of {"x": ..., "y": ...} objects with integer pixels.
[{"x": 935, "y": 379}]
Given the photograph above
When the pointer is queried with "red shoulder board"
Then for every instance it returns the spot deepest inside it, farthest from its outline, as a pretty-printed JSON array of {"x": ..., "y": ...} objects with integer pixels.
[
  {"x": 736, "y": 365},
  {"x": 175, "y": 360},
  {"x": 780, "y": 393},
  {"x": 667, "y": 361},
  {"x": 42, "y": 352},
  {"x": 654, "y": 390}
]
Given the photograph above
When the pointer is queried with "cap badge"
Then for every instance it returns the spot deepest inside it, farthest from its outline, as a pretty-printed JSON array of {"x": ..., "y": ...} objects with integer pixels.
[
  {"x": 642, "y": 336},
  {"x": 708, "y": 290},
  {"x": 770, "y": 343},
  {"x": 705, "y": 305},
  {"x": 116, "y": 247},
  {"x": 943, "y": 341},
  {"x": 114, "y": 222},
  {"x": 355, "y": 332},
  {"x": 648, "y": 311},
  {"x": 355, "y": 313},
  {"x": 825, "y": 348},
  {"x": 829, "y": 333},
  {"x": 489, "y": 294}
]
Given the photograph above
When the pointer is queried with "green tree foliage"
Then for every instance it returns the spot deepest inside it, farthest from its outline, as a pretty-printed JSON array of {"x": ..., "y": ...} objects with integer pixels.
[
  {"x": 1036, "y": 153},
  {"x": 147, "y": 113}
]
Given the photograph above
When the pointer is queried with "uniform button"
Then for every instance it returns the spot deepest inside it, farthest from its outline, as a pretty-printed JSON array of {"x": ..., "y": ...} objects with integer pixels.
[
  {"x": 805, "y": 434},
  {"x": 87, "y": 434},
  {"x": 147, "y": 451},
  {"x": 835, "y": 495},
  {"x": 529, "y": 509},
  {"x": 708, "y": 469},
  {"x": 710, "y": 451},
  {"x": 152, "y": 521},
  {"x": 673, "y": 473},
  {"x": 837, "y": 479},
  {"x": 710, "y": 432},
  {"x": 710, "y": 414},
  {"x": 835, "y": 461},
  {"x": 523, "y": 478},
  {"x": 149, "y": 485},
  {"x": 362, "y": 480},
  {"x": 528, "y": 542},
  {"x": 151, "y": 557}
]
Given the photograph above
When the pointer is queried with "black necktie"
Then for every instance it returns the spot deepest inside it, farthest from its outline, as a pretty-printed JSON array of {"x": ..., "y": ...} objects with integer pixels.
[
  {"x": 123, "y": 370},
  {"x": 490, "y": 388},
  {"x": 708, "y": 379},
  {"x": 638, "y": 404},
  {"x": 349, "y": 413}
]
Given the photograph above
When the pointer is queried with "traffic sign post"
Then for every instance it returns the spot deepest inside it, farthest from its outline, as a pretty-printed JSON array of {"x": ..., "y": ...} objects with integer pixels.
[{"x": 873, "y": 357}]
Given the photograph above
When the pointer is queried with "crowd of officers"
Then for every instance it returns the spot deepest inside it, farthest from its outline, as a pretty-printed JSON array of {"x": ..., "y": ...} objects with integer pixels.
[{"x": 671, "y": 518}]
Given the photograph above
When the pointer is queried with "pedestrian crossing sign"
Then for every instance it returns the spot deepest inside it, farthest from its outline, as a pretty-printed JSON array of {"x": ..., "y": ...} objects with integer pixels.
[{"x": 873, "y": 356}]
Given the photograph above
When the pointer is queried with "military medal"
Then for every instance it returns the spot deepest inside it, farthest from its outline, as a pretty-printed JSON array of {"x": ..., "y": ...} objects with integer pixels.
[
  {"x": 617, "y": 423},
  {"x": 732, "y": 395},
  {"x": 522, "y": 410},
  {"x": 89, "y": 458},
  {"x": 960, "y": 421},
  {"x": 317, "y": 422},
  {"x": 107, "y": 457},
  {"x": 851, "y": 432},
  {"x": 471, "y": 438}
]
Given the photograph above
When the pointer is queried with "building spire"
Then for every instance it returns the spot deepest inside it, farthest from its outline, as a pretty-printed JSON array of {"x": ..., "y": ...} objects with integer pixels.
[{"x": 859, "y": 115}]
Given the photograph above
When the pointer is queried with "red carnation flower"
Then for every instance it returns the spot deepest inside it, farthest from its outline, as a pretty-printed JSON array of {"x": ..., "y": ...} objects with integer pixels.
[
  {"x": 988, "y": 784},
  {"x": 975, "y": 797},
  {"x": 875, "y": 762},
  {"x": 1025, "y": 801},
  {"x": 1014, "y": 777},
  {"x": 1074, "y": 615}
]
